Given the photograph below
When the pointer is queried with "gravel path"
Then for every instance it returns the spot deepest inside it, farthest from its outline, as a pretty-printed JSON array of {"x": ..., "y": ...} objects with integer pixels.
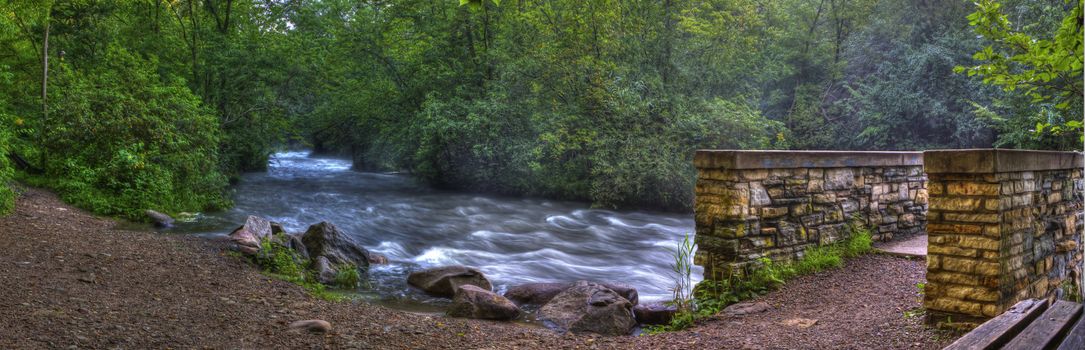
[{"x": 72, "y": 280}]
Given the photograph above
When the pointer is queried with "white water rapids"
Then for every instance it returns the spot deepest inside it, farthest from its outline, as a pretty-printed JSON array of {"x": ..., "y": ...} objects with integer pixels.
[{"x": 512, "y": 240}]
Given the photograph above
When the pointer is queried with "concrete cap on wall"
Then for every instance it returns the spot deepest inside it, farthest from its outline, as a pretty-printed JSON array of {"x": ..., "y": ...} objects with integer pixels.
[
  {"x": 734, "y": 159},
  {"x": 994, "y": 160}
]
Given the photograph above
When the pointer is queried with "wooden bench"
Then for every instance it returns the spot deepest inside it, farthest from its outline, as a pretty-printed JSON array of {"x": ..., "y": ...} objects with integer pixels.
[{"x": 1031, "y": 324}]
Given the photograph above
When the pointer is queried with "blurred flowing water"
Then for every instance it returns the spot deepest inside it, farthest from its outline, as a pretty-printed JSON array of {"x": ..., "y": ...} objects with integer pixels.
[{"x": 512, "y": 240}]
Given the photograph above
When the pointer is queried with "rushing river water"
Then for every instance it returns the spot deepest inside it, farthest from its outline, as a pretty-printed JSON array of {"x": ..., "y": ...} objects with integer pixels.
[{"x": 512, "y": 240}]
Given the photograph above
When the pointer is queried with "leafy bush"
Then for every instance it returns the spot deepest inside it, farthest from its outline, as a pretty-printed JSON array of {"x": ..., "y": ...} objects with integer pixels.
[
  {"x": 8, "y": 124},
  {"x": 7, "y": 196},
  {"x": 121, "y": 139}
]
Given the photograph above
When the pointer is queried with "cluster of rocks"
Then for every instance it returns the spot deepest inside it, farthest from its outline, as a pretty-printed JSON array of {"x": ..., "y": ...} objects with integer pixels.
[
  {"x": 582, "y": 306},
  {"x": 324, "y": 245}
]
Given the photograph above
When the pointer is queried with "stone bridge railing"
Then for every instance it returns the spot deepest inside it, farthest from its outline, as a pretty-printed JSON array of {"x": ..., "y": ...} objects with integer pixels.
[
  {"x": 1004, "y": 225},
  {"x": 775, "y": 204}
]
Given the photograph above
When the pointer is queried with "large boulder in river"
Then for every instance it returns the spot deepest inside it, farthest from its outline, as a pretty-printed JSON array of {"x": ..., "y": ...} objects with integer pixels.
[
  {"x": 159, "y": 219},
  {"x": 541, "y": 293},
  {"x": 324, "y": 239},
  {"x": 474, "y": 302},
  {"x": 590, "y": 307},
  {"x": 248, "y": 236},
  {"x": 443, "y": 281}
]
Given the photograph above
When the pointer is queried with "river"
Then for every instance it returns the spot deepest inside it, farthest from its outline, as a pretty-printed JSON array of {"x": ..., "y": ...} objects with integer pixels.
[{"x": 512, "y": 240}]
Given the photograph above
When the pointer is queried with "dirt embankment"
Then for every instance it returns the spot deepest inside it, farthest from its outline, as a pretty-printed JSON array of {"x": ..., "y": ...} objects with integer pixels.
[{"x": 72, "y": 280}]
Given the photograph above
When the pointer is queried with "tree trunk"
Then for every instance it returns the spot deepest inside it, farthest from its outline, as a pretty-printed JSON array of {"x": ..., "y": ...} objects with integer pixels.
[{"x": 44, "y": 92}]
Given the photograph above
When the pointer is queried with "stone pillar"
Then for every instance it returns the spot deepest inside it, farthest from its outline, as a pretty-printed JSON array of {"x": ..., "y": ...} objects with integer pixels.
[
  {"x": 776, "y": 204},
  {"x": 1004, "y": 225}
]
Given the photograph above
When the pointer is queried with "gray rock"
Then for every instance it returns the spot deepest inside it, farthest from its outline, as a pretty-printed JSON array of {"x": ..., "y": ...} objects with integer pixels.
[
  {"x": 324, "y": 239},
  {"x": 589, "y": 307},
  {"x": 541, "y": 293},
  {"x": 325, "y": 271},
  {"x": 746, "y": 308},
  {"x": 839, "y": 179},
  {"x": 758, "y": 196},
  {"x": 654, "y": 313},
  {"x": 535, "y": 293},
  {"x": 277, "y": 228},
  {"x": 248, "y": 236},
  {"x": 159, "y": 219},
  {"x": 625, "y": 290},
  {"x": 443, "y": 281},
  {"x": 474, "y": 302},
  {"x": 377, "y": 259},
  {"x": 294, "y": 242},
  {"x": 313, "y": 326}
]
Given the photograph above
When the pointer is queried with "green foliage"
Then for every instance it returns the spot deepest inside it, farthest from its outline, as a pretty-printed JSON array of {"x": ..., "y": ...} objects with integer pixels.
[
  {"x": 122, "y": 139},
  {"x": 8, "y": 124},
  {"x": 279, "y": 259},
  {"x": 1070, "y": 290},
  {"x": 818, "y": 259},
  {"x": 149, "y": 104},
  {"x": 598, "y": 100},
  {"x": 282, "y": 262},
  {"x": 682, "y": 291},
  {"x": 347, "y": 276},
  {"x": 859, "y": 242},
  {"x": 712, "y": 296},
  {"x": 1045, "y": 67},
  {"x": 900, "y": 92}
]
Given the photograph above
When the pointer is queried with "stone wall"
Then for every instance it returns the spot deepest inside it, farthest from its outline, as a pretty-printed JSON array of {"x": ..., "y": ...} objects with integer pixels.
[
  {"x": 776, "y": 204},
  {"x": 1004, "y": 225}
]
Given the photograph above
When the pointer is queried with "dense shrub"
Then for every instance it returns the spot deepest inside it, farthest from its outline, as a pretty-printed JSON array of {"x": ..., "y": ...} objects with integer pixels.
[
  {"x": 121, "y": 139},
  {"x": 8, "y": 126},
  {"x": 7, "y": 196}
]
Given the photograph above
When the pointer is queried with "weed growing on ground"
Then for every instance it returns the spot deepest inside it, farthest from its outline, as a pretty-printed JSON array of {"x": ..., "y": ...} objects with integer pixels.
[
  {"x": 683, "y": 284},
  {"x": 279, "y": 259},
  {"x": 917, "y": 312},
  {"x": 712, "y": 296},
  {"x": 1070, "y": 291},
  {"x": 281, "y": 262},
  {"x": 347, "y": 276}
]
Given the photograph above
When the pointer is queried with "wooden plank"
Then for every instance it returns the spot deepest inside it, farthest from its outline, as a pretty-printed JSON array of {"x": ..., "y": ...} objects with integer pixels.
[
  {"x": 999, "y": 330},
  {"x": 1047, "y": 330},
  {"x": 1075, "y": 340}
]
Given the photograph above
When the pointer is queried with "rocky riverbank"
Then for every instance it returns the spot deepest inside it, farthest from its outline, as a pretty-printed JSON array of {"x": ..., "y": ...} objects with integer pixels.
[
  {"x": 72, "y": 279},
  {"x": 326, "y": 255}
]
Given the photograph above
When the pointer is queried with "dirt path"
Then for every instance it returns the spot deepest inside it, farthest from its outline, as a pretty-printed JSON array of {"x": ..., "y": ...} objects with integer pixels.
[{"x": 71, "y": 280}]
